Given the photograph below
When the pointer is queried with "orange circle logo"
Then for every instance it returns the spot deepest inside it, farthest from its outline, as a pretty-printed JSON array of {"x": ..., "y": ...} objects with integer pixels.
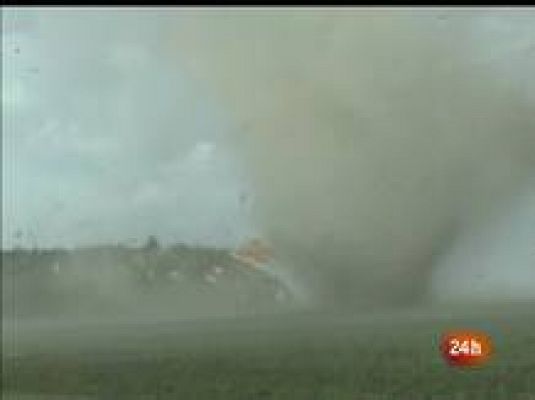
[{"x": 466, "y": 348}]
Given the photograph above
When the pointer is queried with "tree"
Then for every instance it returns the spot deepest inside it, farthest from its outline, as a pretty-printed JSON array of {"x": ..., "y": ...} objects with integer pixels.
[{"x": 152, "y": 243}]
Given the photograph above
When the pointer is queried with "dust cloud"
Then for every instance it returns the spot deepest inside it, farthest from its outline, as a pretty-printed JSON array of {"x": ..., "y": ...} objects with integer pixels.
[{"x": 376, "y": 137}]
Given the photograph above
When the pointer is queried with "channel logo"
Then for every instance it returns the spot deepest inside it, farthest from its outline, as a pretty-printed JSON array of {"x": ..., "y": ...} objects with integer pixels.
[{"x": 466, "y": 348}]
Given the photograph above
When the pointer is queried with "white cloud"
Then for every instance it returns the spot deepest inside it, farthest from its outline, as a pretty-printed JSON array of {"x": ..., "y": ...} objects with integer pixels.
[{"x": 102, "y": 141}]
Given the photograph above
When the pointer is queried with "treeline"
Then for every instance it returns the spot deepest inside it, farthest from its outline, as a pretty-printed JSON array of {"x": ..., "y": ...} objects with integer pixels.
[
  {"x": 179, "y": 279},
  {"x": 149, "y": 257}
]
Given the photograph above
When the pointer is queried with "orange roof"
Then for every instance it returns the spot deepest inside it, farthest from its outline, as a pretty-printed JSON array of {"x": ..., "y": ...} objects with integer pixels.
[{"x": 254, "y": 252}]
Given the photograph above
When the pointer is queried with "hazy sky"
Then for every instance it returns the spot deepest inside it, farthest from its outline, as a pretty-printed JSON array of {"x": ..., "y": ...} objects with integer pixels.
[{"x": 102, "y": 142}]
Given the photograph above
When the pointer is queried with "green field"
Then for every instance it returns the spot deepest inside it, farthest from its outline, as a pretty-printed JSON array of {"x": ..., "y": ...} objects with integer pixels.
[{"x": 295, "y": 356}]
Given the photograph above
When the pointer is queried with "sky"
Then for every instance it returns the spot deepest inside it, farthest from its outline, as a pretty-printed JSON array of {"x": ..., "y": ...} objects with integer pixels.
[{"x": 102, "y": 143}]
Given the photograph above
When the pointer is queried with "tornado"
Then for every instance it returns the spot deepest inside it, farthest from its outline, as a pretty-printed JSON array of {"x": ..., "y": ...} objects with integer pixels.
[{"x": 374, "y": 138}]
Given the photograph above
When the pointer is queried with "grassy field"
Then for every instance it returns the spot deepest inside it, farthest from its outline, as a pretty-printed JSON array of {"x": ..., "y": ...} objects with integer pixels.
[{"x": 296, "y": 356}]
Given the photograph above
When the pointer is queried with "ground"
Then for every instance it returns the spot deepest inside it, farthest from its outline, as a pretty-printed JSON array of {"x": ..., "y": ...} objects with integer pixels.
[{"x": 297, "y": 356}]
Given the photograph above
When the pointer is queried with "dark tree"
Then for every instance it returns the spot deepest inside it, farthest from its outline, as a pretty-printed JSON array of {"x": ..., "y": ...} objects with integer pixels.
[{"x": 152, "y": 243}]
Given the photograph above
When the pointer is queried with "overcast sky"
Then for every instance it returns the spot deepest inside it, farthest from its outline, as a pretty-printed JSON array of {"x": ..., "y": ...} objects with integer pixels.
[{"x": 104, "y": 143}]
